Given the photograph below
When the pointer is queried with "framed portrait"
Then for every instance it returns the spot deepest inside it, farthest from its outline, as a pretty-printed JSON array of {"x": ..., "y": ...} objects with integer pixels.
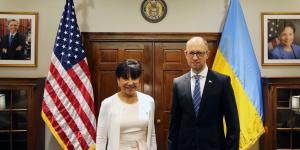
[
  {"x": 18, "y": 38},
  {"x": 280, "y": 39}
]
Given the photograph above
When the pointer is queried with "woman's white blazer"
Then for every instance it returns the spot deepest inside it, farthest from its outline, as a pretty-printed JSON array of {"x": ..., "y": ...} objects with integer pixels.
[{"x": 108, "y": 128}]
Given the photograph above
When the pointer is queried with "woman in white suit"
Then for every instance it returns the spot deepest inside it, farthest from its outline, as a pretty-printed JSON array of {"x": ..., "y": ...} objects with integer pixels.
[{"x": 126, "y": 119}]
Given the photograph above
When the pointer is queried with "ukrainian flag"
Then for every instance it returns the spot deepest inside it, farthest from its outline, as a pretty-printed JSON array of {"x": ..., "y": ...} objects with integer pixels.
[{"x": 235, "y": 57}]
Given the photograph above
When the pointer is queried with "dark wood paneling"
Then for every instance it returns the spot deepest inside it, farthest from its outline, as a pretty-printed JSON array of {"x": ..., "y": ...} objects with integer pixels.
[
  {"x": 166, "y": 71},
  {"x": 32, "y": 125},
  {"x": 106, "y": 84},
  {"x": 270, "y": 92}
]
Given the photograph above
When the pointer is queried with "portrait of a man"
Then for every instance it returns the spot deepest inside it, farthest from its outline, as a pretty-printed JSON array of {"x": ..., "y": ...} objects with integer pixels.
[
  {"x": 13, "y": 43},
  {"x": 18, "y": 39}
]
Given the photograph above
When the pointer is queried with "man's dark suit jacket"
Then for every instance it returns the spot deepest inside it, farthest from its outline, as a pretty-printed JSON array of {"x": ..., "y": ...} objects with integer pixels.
[
  {"x": 12, "y": 53},
  {"x": 206, "y": 132}
]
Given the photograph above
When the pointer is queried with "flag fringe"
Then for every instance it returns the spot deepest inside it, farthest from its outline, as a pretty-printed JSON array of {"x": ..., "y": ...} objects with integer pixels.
[
  {"x": 252, "y": 142},
  {"x": 54, "y": 133}
]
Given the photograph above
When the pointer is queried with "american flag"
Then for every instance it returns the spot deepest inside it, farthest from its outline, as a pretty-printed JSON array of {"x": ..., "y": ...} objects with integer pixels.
[
  {"x": 68, "y": 104},
  {"x": 273, "y": 29}
]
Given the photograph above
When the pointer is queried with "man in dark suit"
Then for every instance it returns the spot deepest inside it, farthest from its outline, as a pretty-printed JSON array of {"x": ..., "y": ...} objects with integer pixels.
[
  {"x": 13, "y": 44},
  {"x": 201, "y": 98}
]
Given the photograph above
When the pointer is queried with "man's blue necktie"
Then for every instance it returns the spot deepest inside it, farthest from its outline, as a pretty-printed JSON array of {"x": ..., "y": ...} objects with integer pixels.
[
  {"x": 197, "y": 95},
  {"x": 10, "y": 39}
]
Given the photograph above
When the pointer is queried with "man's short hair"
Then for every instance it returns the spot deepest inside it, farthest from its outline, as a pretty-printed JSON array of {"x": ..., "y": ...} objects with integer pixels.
[{"x": 9, "y": 21}]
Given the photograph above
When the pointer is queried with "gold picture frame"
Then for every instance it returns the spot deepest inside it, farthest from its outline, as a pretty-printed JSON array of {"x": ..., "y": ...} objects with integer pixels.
[
  {"x": 18, "y": 39},
  {"x": 277, "y": 49}
]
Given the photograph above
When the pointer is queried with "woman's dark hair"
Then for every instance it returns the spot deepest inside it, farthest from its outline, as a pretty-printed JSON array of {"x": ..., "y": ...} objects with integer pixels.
[
  {"x": 287, "y": 24},
  {"x": 129, "y": 68}
]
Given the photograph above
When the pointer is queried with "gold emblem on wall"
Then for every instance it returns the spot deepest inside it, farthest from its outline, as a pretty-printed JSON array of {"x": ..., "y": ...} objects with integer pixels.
[{"x": 154, "y": 10}]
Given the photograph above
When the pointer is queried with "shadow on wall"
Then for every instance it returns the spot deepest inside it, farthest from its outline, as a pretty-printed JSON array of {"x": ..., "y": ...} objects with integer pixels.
[{"x": 82, "y": 9}]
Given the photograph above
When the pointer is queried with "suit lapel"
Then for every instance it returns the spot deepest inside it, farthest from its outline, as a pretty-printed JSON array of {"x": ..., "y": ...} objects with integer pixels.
[{"x": 188, "y": 94}]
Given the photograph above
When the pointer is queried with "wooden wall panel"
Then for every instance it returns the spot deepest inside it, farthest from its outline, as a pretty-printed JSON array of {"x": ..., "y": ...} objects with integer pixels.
[
  {"x": 167, "y": 70},
  {"x": 106, "y": 84}
]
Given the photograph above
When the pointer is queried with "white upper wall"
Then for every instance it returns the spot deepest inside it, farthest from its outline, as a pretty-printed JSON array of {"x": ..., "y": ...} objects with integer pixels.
[{"x": 125, "y": 16}]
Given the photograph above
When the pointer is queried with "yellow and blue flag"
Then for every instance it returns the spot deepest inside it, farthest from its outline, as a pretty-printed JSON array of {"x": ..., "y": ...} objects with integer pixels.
[{"x": 235, "y": 57}]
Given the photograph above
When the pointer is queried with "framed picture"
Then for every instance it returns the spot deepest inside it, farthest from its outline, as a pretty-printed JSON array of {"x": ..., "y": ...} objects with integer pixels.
[
  {"x": 280, "y": 39},
  {"x": 18, "y": 38}
]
